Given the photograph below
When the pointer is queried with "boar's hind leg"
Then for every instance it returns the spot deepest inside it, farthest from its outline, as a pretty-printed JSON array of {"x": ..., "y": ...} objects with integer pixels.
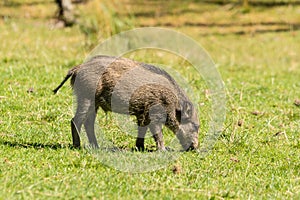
[
  {"x": 75, "y": 128},
  {"x": 80, "y": 117},
  {"x": 141, "y": 137},
  {"x": 156, "y": 130},
  {"x": 89, "y": 125}
]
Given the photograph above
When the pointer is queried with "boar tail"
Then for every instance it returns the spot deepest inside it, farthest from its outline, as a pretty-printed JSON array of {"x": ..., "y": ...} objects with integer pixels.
[{"x": 71, "y": 72}]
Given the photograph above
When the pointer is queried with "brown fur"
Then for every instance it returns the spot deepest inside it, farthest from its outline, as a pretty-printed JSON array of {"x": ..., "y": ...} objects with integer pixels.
[{"x": 128, "y": 87}]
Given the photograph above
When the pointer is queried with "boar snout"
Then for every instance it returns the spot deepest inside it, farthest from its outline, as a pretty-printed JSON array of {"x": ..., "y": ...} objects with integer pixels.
[{"x": 188, "y": 136}]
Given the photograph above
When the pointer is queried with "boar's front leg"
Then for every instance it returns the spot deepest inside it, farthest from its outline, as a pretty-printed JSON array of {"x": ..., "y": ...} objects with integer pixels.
[
  {"x": 156, "y": 130},
  {"x": 141, "y": 138},
  {"x": 157, "y": 115}
]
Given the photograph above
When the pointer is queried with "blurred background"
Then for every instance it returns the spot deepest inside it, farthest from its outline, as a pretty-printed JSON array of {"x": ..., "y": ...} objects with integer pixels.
[
  {"x": 230, "y": 28},
  {"x": 98, "y": 19}
]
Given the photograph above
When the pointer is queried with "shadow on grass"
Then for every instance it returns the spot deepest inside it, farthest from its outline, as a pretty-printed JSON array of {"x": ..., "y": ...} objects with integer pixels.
[
  {"x": 36, "y": 145},
  {"x": 10, "y": 3},
  {"x": 267, "y": 27},
  {"x": 151, "y": 14},
  {"x": 261, "y": 3}
]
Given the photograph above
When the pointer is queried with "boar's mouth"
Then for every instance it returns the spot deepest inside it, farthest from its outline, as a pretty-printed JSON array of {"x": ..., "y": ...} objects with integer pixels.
[{"x": 191, "y": 147}]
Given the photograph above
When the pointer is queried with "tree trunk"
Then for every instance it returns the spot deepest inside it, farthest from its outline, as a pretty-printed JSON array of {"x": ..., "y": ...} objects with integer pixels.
[
  {"x": 65, "y": 12},
  {"x": 245, "y": 3}
]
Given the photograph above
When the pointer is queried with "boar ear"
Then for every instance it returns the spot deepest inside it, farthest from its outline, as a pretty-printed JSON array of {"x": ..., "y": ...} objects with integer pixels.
[{"x": 187, "y": 110}]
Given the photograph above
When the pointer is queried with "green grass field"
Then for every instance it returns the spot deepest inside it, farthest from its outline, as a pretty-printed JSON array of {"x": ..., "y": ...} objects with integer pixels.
[{"x": 256, "y": 51}]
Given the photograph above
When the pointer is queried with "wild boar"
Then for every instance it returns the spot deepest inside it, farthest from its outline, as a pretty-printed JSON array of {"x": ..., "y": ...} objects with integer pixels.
[{"x": 129, "y": 87}]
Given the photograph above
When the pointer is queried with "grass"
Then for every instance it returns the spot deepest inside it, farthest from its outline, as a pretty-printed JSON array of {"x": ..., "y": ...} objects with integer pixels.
[{"x": 256, "y": 157}]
